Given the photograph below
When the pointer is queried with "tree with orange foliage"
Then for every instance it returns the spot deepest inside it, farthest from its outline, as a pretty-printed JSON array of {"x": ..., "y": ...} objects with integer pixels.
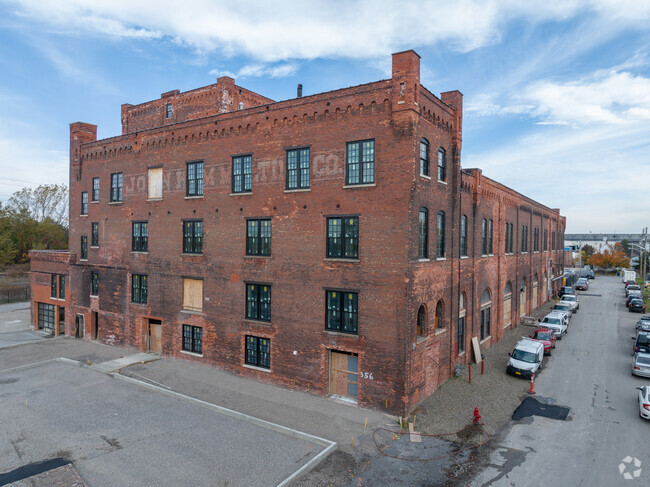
[{"x": 613, "y": 257}]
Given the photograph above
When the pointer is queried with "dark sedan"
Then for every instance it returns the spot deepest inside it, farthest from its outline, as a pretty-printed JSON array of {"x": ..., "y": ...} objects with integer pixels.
[{"x": 637, "y": 305}]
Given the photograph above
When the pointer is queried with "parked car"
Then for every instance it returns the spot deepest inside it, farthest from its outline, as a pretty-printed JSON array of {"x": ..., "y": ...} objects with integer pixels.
[
  {"x": 644, "y": 402},
  {"x": 641, "y": 364},
  {"x": 590, "y": 274},
  {"x": 572, "y": 300},
  {"x": 637, "y": 305},
  {"x": 555, "y": 323},
  {"x": 642, "y": 342},
  {"x": 547, "y": 337},
  {"x": 565, "y": 290},
  {"x": 633, "y": 295},
  {"x": 526, "y": 359},
  {"x": 632, "y": 287},
  {"x": 629, "y": 283},
  {"x": 559, "y": 306},
  {"x": 582, "y": 284},
  {"x": 643, "y": 324}
]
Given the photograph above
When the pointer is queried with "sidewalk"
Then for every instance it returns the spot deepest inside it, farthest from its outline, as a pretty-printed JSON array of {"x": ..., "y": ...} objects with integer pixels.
[{"x": 495, "y": 393}]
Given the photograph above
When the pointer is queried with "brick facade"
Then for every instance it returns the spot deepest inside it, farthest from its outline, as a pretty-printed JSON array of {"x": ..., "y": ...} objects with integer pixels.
[{"x": 396, "y": 368}]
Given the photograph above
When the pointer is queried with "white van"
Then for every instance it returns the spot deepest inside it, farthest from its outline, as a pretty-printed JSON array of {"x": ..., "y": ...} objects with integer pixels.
[{"x": 526, "y": 358}]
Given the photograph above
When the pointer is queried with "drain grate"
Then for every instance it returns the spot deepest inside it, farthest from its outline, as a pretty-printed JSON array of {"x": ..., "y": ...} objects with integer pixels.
[{"x": 532, "y": 407}]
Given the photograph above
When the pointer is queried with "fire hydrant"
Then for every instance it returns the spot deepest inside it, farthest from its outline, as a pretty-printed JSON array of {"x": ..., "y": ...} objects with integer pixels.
[{"x": 477, "y": 416}]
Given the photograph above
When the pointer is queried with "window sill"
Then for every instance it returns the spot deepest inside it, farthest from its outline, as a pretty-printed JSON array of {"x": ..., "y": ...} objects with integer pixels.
[
  {"x": 440, "y": 331},
  {"x": 94, "y": 202},
  {"x": 191, "y": 312},
  {"x": 193, "y": 354},
  {"x": 83, "y": 215},
  {"x": 425, "y": 176},
  {"x": 441, "y": 258},
  {"x": 142, "y": 252},
  {"x": 464, "y": 257},
  {"x": 341, "y": 333},
  {"x": 192, "y": 254},
  {"x": 258, "y": 322},
  {"x": 421, "y": 339},
  {"x": 424, "y": 260},
  {"x": 198, "y": 196},
  {"x": 94, "y": 246},
  {"x": 254, "y": 367},
  {"x": 83, "y": 260},
  {"x": 298, "y": 190},
  {"x": 353, "y": 186},
  {"x": 257, "y": 256},
  {"x": 442, "y": 182},
  {"x": 243, "y": 193},
  {"x": 116, "y": 203},
  {"x": 94, "y": 295},
  {"x": 154, "y": 199},
  {"x": 342, "y": 259},
  {"x": 506, "y": 325},
  {"x": 485, "y": 340},
  {"x": 138, "y": 304}
]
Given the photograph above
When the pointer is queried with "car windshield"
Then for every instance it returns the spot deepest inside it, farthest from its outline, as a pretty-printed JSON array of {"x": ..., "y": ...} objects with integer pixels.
[
  {"x": 542, "y": 336},
  {"x": 563, "y": 307},
  {"x": 524, "y": 356},
  {"x": 553, "y": 321},
  {"x": 643, "y": 360},
  {"x": 568, "y": 298}
]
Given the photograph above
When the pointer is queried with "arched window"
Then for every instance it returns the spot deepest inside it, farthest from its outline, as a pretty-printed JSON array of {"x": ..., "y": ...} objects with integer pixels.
[
  {"x": 442, "y": 165},
  {"x": 439, "y": 315},
  {"x": 463, "y": 236},
  {"x": 422, "y": 321},
  {"x": 423, "y": 245},
  {"x": 424, "y": 157},
  {"x": 522, "y": 297},
  {"x": 535, "y": 293},
  {"x": 484, "y": 237},
  {"x": 241, "y": 105},
  {"x": 460, "y": 344},
  {"x": 507, "y": 305},
  {"x": 441, "y": 234},
  {"x": 486, "y": 307}
]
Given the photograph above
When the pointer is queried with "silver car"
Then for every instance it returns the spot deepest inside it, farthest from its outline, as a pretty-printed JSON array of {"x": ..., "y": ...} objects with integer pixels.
[
  {"x": 572, "y": 300},
  {"x": 641, "y": 364},
  {"x": 643, "y": 324},
  {"x": 555, "y": 323},
  {"x": 566, "y": 308}
]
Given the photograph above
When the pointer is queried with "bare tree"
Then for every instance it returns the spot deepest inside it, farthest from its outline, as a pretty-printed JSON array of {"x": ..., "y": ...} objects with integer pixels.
[{"x": 45, "y": 201}]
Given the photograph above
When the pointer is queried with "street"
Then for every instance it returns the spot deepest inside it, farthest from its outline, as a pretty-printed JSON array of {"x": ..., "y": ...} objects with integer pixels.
[{"x": 589, "y": 372}]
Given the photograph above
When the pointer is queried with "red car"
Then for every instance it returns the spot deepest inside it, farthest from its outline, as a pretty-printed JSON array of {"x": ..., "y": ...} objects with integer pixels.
[{"x": 547, "y": 337}]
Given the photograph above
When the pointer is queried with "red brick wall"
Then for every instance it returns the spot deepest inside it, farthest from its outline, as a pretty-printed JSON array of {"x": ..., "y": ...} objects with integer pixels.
[
  {"x": 390, "y": 280},
  {"x": 44, "y": 264}
]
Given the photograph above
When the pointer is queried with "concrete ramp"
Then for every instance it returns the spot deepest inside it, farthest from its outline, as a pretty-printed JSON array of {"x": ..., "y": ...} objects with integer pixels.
[{"x": 118, "y": 364}]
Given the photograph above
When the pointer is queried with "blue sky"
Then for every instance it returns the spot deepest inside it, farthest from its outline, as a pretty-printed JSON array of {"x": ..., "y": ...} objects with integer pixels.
[{"x": 557, "y": 92}]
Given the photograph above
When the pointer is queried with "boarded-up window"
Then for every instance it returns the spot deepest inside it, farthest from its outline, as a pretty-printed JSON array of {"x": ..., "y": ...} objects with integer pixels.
[
  {"x": 155, "y": 182},
  {"x": 192, "y": 294}
]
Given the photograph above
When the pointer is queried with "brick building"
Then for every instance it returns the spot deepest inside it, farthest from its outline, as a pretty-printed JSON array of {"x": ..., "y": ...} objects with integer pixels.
[{"x": 329, "y": 243}]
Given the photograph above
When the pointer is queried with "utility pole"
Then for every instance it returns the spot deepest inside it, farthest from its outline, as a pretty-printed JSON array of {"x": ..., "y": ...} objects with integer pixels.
[{"x": 643, "y": 266}]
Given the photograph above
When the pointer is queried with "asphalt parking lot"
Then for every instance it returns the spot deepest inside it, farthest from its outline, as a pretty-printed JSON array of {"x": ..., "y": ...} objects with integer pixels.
[{"x": 122, "y": 433}]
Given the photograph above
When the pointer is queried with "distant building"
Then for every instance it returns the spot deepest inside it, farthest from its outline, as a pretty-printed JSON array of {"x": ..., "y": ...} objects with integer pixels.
[
  {"x": 329, "y": 243},
  {"x": 600, "y": 241}
]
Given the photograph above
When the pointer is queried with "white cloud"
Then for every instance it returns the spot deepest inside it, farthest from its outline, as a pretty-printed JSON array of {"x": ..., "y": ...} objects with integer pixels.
[
  {"x": 590, "y": 173},
  {"x": 260, "y": 70},
  {"x": 285, "y": 29}
]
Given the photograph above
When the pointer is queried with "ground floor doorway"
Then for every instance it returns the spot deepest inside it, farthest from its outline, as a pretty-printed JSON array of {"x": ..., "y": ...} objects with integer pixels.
[
  {"x": 344, "y": 374},
  {"x": 61, "y": 320},
  {"x": 79, "y": 325},
  {"x": 95, "y": 323},
  {"x": 155, "y": 336}
]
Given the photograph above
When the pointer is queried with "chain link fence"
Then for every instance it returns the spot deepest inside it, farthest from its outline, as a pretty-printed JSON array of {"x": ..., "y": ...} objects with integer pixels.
[{"x": 13, "y": 293}]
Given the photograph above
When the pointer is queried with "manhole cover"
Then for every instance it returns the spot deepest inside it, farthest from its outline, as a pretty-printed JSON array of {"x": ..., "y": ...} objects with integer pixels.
[{"x": 532, "y": 407}]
